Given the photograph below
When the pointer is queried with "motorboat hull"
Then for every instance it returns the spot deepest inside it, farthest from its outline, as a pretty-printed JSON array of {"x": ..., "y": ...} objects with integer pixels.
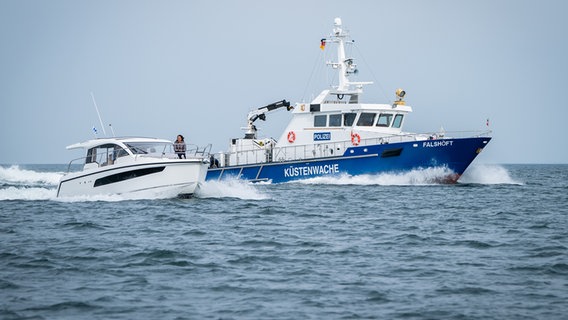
[{"x": 168, "y": 178}]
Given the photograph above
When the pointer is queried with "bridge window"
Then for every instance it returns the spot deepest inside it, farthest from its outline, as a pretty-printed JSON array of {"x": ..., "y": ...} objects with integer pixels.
[
  {"x": 397, "y": 121},
  {"x": 366, "y": 119},
  {"x": 335, "y": 120},
  {"x": 384, "y": 120},
  {"x": 320, "y": 121},
  {"x": 349, "y": 118}
]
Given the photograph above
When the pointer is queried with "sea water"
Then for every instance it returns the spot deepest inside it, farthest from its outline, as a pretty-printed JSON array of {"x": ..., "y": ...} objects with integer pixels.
[{"x": 389, "y": 246}]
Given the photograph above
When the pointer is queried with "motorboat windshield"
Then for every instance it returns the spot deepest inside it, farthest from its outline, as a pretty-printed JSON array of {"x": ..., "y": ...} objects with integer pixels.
[{"x": 151, "y": 148}]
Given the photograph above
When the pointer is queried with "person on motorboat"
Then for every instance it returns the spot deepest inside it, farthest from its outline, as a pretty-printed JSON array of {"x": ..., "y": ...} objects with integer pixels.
[{"x": 179, "y": 146}]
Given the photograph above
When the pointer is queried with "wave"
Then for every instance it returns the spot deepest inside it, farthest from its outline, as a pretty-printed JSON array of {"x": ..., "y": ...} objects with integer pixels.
[
  {"x": 230, "y": 188},
  {"x": 209, "y": 189},
  {"x": 22, "y": 184},
  {"x": 477, "y": 174},
  {"x": 39, "y": 193},
  {"x": 17, "y": 183},
  {"x": 429, "y": 176},
  {"x": 27, "y": 193},
  {"x": 16, "y": 176},
  {"x": 487, "y": 174}
]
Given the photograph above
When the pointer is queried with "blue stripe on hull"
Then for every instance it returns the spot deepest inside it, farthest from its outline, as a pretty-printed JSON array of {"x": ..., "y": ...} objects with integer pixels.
[{"x": 455, "y": 154}]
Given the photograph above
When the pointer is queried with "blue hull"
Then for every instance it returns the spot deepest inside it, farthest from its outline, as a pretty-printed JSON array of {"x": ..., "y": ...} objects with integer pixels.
[{"x": 454, "y": 154}]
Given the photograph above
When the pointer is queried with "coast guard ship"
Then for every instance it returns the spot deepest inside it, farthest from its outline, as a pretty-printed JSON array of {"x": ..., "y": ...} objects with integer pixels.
[{"x": 336, "y": 134}]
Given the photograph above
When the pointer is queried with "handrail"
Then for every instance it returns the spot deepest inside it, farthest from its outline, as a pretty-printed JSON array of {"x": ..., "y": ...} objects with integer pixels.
[
  {"x": 196, "y": 150},
  {"x": 71, "y": 163},
  {"x": 331, "y": 149},
  {"x": 193, "y": 152}
]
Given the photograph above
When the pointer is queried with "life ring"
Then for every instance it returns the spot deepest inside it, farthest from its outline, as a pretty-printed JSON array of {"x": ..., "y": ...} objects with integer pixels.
[
  {"x": 291, "y": 137},
  {"x": 355, "y": 139}
]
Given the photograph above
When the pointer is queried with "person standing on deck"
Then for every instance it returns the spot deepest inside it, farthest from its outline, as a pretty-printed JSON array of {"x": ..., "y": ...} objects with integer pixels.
[{"x": 179, "y": 146}]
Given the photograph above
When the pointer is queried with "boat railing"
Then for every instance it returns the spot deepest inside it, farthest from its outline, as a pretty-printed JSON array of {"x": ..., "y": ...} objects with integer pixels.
[
  {"x": 406, "y": 137},
  {"x": 247, "y": 157},
  {"x": 108, "y": 158},
  {"x": 94, "y": 161},
  {"x": 332, "y": 149},
  {"x": 193, "y": 150}
]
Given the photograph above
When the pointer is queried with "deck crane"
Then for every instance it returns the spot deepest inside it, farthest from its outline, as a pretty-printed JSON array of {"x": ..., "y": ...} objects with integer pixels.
[{"x": 260, "y": 113}]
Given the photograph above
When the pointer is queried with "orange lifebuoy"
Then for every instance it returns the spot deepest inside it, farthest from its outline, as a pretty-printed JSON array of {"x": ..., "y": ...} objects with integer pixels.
[
  {"x": 355, "y": 139},
  {"x": 291, "y": 137}
]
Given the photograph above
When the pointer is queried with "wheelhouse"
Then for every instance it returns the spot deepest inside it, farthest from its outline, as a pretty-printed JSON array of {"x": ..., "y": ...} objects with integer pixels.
[{"x": 360, "y": 119}]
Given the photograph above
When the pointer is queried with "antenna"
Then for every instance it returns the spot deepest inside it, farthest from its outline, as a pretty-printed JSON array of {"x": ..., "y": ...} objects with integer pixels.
[
  {"x": 112, "y": 129},
  {"x": 98, "y": 113}
]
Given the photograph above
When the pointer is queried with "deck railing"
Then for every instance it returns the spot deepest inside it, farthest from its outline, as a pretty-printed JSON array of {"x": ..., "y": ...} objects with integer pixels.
[
  {"x": 108, "y": 158},
  {"x": 332, "y": 149}
]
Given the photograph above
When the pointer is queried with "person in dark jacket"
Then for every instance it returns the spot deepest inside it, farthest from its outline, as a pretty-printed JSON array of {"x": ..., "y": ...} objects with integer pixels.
[{"x": 179, "y": 147}]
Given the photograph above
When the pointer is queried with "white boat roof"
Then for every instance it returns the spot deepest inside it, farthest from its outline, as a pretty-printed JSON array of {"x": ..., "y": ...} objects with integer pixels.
[{"x": 117, "y": 140}]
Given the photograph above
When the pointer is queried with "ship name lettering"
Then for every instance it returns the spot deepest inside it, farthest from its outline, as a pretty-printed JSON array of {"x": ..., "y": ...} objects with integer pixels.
[
  {"x": 437, "y": 143},
  {"x": 311, "y": 170}
]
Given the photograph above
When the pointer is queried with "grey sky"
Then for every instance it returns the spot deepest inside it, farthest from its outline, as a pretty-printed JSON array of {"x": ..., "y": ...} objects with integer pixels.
[{"x": 159, "y": 68}]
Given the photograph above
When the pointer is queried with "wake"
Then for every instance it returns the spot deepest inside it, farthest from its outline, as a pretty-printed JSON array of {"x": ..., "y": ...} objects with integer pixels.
[
  {"x": 230, "y": 188},
  {"x": 487, "y": 174},
  {"x": 477, "y": 174},
  {"x": 22, "y": 184}
]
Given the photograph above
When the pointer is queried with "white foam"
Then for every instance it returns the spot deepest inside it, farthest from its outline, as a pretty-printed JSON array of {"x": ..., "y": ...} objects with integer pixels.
[
  {"x": 29, "y": 185},
  {"x": 27, "y": 193},
  {"x": 39, "y": 193},
  {"x": 230, "y": 188},
  {"x": 16, "y": 175},
  {"x": 33, "y": 185},
  {"x": 102, "y": 198},
  {"x": 429, "y": 176},
  {"x": 487, "y": 174}
]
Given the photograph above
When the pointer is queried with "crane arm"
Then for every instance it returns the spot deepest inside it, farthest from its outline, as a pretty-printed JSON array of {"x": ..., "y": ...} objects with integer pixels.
[{"x": 260, "y": 113}]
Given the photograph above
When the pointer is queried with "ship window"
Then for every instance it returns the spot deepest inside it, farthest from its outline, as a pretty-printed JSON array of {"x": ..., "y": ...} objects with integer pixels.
[
  {"x": 119, "y": 152},
  {"x": 348, "y": 119},
  {"x": 397, "y": 121},
  {"x": 320, "y": 121},
  {"x": 366, "y": 119},
  {"x": 335, "y": 120},
  {"x": 91, "y": 155},
  {"x": 384, "y": 120},
  {"x": 105, "y": 154},
  {"x": 354, "y": 98}
]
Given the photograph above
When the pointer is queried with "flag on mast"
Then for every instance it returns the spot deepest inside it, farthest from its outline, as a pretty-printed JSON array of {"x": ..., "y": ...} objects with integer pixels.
[{"x": 322, "y": 45}]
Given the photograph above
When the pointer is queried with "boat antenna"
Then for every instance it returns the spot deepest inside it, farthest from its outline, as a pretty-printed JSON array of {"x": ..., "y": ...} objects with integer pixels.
[
  {"x": 98, "y": 113},
  {"x": 112, "y": 129}
]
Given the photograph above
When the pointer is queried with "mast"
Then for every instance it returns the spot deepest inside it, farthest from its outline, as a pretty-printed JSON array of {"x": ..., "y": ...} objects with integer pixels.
[
  {"x": 341, "y": 61},
  {"x": 344, "y": 65}
]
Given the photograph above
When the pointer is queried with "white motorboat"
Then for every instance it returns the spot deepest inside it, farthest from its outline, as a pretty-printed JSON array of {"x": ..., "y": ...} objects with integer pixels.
[{"x": 134, "y": 165}]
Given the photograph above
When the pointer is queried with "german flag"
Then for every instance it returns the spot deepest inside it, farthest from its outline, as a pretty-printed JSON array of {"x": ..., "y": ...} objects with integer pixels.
[{"x": 322, "y": 45}]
